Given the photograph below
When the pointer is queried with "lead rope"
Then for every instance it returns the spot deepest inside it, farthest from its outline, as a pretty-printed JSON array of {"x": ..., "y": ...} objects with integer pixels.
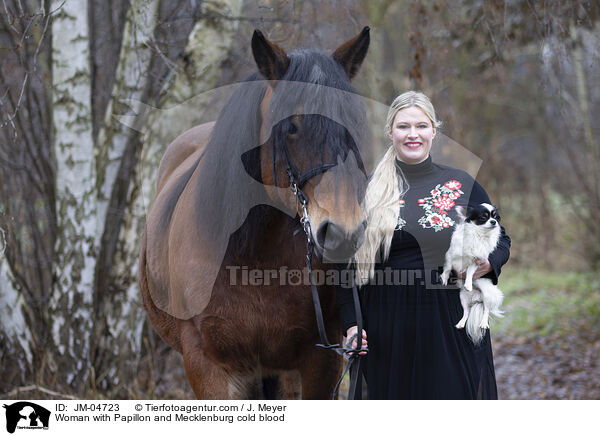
[{"x": 354, "y": 357}]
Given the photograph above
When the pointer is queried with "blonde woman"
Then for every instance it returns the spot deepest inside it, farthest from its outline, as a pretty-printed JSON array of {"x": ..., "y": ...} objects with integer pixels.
[{"x": 415, "y": 351}]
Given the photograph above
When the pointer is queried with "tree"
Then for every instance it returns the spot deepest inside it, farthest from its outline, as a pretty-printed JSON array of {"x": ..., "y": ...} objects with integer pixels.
[{"x": 69, "y": 181}]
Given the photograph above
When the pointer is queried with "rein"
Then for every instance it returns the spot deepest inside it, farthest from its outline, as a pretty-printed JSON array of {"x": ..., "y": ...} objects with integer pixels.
[{"x": 297, "y": 182}]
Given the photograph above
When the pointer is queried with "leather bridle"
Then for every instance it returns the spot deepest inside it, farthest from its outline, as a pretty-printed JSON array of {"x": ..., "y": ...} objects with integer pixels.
[{"x": 297, "y": 182}]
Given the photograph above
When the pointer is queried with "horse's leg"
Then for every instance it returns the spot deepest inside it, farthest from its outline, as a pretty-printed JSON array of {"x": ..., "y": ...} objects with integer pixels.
[
  {"x": 290, "y": 385},
  {"x": 320, "y": 371},
  {"x": 207, "y": 379}
]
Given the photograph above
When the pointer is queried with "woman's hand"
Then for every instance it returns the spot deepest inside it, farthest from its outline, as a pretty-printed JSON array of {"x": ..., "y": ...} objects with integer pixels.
[
  {"x": 351, "y": 335},
  {"x": 483, "y": 267}
]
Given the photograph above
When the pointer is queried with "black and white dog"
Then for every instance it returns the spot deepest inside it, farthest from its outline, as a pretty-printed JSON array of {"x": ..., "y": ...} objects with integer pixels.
[{"x": 475, "y": 237}]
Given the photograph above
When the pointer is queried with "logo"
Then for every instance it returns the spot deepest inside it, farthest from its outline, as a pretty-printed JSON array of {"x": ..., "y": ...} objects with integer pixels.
[{"x": 26, "y": 415}]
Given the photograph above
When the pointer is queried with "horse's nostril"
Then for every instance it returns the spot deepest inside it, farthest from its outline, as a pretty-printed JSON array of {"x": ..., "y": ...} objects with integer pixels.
[
  {"x": 322, "y": 232},
  {"x": 330, "y": 234}
]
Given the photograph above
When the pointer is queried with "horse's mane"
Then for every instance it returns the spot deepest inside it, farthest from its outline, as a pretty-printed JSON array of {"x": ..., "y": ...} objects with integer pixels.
[
  {"x": 228, "y": 188},
  {"x": 306, "y": 66}
]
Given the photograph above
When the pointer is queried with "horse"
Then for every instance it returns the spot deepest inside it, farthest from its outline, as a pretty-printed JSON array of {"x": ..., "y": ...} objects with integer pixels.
[{"x": 224, "y": 210}]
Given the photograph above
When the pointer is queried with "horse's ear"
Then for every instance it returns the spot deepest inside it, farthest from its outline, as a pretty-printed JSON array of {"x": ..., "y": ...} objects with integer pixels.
[
  {"x": 272, "y": 61},
  {"x": 351, "y": 53}
]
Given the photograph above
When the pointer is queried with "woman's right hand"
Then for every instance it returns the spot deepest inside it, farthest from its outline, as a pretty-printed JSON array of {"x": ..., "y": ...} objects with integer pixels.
[{"x": 350, "y": 333}]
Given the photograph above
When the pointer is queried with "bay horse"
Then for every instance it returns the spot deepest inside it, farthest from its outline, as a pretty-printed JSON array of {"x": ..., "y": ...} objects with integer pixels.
[{"x": 223, "y": 208}]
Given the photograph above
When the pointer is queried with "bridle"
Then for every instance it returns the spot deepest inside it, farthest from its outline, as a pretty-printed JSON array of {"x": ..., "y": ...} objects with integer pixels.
[{"x": 297, "y": 181}]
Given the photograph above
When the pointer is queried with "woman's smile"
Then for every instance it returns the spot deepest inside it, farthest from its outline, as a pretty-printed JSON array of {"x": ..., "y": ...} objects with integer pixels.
[{"x": 411, "y": 134}]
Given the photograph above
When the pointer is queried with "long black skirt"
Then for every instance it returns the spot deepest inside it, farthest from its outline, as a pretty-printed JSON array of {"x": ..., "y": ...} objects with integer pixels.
[{"x": 415, "y": 350}]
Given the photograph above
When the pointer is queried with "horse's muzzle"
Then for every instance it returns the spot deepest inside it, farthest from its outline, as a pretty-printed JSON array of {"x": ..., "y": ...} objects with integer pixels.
[{"x": 335, "y": 244}]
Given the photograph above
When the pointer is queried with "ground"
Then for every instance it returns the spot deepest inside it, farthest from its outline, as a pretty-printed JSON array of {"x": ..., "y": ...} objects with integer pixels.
[{"x": 548, "y": 368}]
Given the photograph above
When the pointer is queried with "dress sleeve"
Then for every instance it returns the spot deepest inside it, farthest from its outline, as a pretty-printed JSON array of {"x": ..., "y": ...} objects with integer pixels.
[
  {"x": 500, "y": 255},
  {"x": 346, "y": 307}
]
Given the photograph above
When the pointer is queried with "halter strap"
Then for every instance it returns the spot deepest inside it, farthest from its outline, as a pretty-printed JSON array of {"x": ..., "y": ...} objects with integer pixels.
[
  {"x": 302, "y": 178},
  {"x": 353, "y": 354}
]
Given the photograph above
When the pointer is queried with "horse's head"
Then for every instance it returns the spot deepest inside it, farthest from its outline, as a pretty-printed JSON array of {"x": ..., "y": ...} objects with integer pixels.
[{"x": 312, "y": 125}]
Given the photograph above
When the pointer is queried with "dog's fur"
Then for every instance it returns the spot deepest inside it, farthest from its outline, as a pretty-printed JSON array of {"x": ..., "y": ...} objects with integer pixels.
[{"x": 475, "y": 237}]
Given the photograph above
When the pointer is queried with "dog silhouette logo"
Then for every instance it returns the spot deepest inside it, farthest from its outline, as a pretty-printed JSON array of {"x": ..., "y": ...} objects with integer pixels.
[{"x": 26, "y": 415}]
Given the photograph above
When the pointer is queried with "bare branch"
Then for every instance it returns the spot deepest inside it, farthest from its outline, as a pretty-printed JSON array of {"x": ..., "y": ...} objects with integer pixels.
[
  {"x": 3, "y": 242},
  {"x": 19, "y": 390},
  {"x": 9, "y": 18}
]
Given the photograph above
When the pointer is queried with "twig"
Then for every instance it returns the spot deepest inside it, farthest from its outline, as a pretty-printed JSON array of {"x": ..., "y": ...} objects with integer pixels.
[
  {"x": 3, "y": 233},
  {"x": 17, "y": 391},
  {"x": 37, "y": 50},
  {"x": 10, "y": 19},
  {"x": 12, "y": 117},
  {"x": 218, "y": 15}
]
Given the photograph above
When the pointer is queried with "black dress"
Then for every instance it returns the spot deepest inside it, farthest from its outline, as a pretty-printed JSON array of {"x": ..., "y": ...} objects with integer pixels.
[{"x": 415, "y": 350}]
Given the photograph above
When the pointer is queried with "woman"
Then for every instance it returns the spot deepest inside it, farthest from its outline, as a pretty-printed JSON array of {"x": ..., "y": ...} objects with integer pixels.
[{"x": 415, "y": 352}]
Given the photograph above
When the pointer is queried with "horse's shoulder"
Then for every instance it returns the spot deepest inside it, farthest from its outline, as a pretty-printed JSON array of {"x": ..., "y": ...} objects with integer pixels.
[{"x": 183, "y": 152}]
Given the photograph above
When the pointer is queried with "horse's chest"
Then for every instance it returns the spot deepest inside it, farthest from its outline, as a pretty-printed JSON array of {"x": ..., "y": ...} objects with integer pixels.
[{"x": 248, "y": 327}]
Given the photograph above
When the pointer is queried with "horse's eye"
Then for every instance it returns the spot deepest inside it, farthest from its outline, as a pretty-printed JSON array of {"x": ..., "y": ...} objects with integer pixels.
[{"x": 293, "y": 130}]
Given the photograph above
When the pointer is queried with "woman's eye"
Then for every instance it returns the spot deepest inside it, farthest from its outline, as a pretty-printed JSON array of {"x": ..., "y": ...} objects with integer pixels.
[{"x": 423, "y": 126}]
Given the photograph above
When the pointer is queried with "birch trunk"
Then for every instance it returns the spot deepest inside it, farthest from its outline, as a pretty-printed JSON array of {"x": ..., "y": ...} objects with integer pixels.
[
  {"x": 27, "y": 193},
  {"x": 15, "y": 335},
  {"x": 76, "y": 207}
]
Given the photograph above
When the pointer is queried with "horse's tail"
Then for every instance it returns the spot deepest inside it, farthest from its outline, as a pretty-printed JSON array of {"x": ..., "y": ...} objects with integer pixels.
[{"x": 164, "y": 324}]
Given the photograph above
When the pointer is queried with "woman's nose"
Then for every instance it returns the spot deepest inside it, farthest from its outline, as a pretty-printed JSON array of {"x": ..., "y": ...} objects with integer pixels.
[{"x": 413, "y": 132}]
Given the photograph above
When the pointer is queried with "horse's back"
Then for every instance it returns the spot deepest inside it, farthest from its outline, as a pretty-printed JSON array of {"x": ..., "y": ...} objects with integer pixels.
[
  {"x": 179, "y": 158},
  {"x": 183, "y": 152}
]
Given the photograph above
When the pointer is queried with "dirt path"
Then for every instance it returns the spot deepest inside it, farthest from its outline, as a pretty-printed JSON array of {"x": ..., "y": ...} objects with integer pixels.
[{"x": 548, "y": 368}]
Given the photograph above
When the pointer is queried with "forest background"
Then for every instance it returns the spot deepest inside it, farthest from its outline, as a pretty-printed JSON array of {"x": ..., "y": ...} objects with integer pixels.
[{"x": 514, "y": 81}]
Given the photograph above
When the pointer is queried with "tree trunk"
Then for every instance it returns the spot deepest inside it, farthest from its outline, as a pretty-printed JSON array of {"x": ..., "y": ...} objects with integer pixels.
[{"x": 76, "y": 203}]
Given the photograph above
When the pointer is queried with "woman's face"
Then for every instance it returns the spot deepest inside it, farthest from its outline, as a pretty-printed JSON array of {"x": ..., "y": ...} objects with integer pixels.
[{"x": 412, "y": 133}]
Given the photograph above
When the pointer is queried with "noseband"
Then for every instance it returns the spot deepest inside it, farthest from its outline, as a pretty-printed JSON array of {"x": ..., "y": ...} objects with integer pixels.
[{"x": 297, "y": 182}]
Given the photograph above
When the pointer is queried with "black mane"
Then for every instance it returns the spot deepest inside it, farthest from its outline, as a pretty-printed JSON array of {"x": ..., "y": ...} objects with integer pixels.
[{"x": 237, "y": 131}]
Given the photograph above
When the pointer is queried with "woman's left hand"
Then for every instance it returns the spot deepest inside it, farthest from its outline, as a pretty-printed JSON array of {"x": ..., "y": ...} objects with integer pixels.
[{"x": 483, "y": 268}]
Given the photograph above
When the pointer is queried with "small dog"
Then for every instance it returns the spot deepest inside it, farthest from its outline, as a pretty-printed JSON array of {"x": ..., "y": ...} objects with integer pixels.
[{"x": 475, "y": 237}]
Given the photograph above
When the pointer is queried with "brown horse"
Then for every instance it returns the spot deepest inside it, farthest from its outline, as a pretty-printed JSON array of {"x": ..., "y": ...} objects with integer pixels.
[{"x": 224, "y": 211}]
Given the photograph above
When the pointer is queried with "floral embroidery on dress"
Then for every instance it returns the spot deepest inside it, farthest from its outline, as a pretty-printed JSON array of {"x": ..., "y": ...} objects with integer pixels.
[
  {"x": 437, "y": 206},
  {"x": 401, "y": 223}
]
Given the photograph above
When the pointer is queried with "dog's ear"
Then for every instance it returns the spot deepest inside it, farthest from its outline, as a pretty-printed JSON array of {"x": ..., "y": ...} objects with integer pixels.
[{"x": 461, "y": 212}]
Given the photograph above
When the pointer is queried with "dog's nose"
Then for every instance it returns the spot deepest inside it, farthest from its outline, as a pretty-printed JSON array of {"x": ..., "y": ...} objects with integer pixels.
[{"x": 493, "y": 222}]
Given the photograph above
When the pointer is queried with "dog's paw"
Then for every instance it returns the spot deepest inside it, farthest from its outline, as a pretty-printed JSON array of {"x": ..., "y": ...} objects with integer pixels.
[
  {"x": 461, "y": 324},
  {"x": 484, "y": 325},
  {"x": 468, "y": 285}
]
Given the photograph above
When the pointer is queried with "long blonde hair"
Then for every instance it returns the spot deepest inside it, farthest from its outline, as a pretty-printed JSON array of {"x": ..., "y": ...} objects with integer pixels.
[{"x": 384, "y": 191}]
